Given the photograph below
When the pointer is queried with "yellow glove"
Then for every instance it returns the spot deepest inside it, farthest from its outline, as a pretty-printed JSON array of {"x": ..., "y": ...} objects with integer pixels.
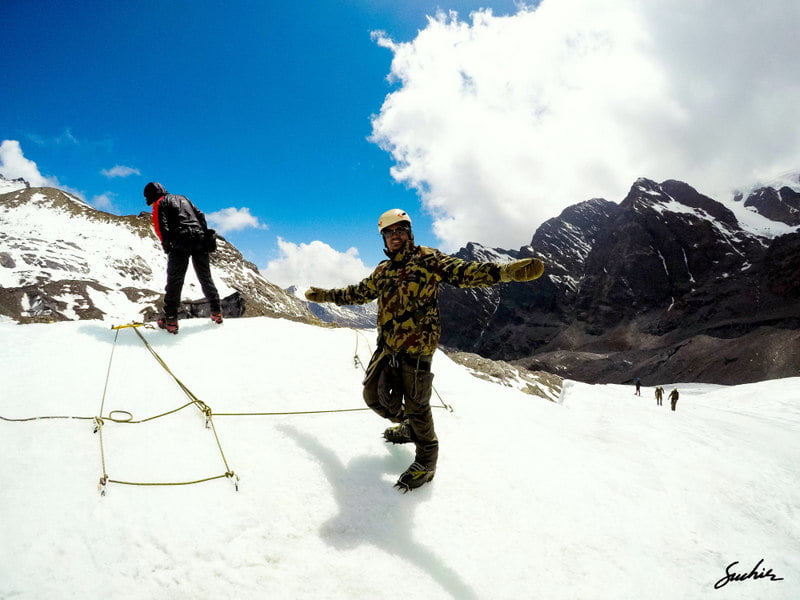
[
  {"x": 315, "y": 294},
  {"x": 522, "y": 270}
]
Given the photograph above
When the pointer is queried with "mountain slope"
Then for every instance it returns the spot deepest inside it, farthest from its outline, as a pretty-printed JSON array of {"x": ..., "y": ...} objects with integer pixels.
[{"x": 61, "y": 259}]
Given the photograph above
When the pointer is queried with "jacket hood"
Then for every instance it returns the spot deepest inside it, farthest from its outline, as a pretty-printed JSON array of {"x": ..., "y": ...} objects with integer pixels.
[{"x": 153, "y": 191}]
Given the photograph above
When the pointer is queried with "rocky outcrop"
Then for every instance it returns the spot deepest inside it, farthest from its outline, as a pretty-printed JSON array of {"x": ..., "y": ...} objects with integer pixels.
[{"x": 536, "y": 383}]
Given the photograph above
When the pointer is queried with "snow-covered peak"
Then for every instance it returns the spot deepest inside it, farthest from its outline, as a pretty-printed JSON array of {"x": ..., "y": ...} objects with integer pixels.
[
  {"x": 771, "y": 197},
  {"x": 362, "y": 316},
  {"x": 482, "y": 253},
  {"x": 790, "y": 179},
  {"x": 62, "y": 259},
  {"x": 12, "y": 185}
]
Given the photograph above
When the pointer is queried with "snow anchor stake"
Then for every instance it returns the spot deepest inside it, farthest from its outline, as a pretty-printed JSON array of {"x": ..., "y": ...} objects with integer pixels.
[{"x": 207, "y": 412}]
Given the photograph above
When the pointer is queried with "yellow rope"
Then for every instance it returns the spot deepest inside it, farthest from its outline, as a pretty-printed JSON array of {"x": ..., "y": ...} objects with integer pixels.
[
  {"x": 301, "y": 412},
  {"x": 45, "y": 417},
  {"x": 202, "y": 406},
  {"x": 169, "y": 482}
]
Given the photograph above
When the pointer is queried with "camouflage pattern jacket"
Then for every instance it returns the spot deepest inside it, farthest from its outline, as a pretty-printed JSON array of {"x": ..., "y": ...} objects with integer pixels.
[{"x": 407, "y": 289}]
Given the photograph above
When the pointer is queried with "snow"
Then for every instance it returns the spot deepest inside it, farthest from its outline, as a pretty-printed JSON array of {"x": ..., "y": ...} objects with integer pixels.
[
  {"x": 483, "y": 253},
  {"x": 603, "y": 495},
  {"x": 11, "y": 185},
  {"x": 749, "y": 220},
  {"x": 565, "y": 280},
  {"x": 42, "y": 242},
  {"x": 759, "y": 225}
]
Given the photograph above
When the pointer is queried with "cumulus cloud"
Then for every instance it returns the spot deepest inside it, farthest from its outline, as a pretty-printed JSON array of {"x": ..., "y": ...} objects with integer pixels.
[
  {"x": 314, "y": 264},
  {"x": 119, "y": 171},
  {"x": 14, "y": 165},
  {"x": 105, "y": 202},
  {"x": 233, "y": 219},
  {"x": 501, "y": 122}
]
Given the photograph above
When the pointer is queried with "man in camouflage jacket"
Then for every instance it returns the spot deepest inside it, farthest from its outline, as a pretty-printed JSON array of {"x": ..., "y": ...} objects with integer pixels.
[{"x": 398, "y": 382}]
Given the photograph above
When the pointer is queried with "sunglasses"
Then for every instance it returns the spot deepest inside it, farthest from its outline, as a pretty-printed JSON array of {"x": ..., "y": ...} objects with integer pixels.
[{"x": 387, "y": 233}]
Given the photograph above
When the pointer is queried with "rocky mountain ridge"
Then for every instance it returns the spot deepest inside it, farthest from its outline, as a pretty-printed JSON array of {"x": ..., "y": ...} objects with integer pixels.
[{"x": 668, "y": 285}]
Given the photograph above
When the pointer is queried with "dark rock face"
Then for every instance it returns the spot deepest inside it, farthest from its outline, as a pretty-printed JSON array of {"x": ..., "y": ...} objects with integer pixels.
[
  {"x": 666, "y": 286},
  {"x": 666, "y": 247},
  {"x": 510, "y": 320}
]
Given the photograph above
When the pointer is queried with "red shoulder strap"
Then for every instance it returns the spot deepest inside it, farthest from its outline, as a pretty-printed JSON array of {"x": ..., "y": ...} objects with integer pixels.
[{"x": 156, "y": 226}]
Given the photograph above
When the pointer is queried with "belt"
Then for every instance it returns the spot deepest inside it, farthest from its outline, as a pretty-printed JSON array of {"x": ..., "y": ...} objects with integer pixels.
[{"x": 420, "y": 362}]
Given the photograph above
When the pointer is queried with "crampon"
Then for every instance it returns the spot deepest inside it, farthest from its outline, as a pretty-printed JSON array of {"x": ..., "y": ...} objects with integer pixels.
[{"x": 413, "y": 477}]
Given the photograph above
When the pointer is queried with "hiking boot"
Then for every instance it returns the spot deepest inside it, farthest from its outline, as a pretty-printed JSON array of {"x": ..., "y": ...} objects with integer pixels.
[
  {"x": 216, "y": 317},
  {"x": 414, "y": 476},
  {"x": 171, "y": 325},
  {"x": 399, "y": 434}
]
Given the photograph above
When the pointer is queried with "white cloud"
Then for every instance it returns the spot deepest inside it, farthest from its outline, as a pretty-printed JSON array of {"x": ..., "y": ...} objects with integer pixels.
[
  {"x": 502, "y": 122},
  {"x": 315, "y": 264},
  {"x": 119, "y": 171},
  {"x": 105, "y": 202},
  {"x": 233, "y": 219},
  {"x": 13, "y": 165}
]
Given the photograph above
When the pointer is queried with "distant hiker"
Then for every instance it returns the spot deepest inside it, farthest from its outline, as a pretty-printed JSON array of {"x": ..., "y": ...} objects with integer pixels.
[
  {"x": 638, "y": 391},
  {"x": 183, "y": 232},
  {"x": 673, "y": 397},
  {"x": 659, "y": 396},
  {"x": 398, "y": 381}
]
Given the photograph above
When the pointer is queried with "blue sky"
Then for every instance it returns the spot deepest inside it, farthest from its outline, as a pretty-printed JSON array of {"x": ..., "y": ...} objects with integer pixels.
[
  {"x": 302, "y": 123},
  {"x": 262, "y": 105}
]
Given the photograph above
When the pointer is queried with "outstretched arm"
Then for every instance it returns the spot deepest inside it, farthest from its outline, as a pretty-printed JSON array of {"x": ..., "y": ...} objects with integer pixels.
[
  {"x": 361, "y": 293},
  {"x": 461, "y": 273}
]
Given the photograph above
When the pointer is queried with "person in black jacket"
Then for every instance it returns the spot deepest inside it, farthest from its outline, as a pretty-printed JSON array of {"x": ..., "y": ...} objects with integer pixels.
[
  {"x": 673, "y": 397},
  {"x": 183, "y": 232}
]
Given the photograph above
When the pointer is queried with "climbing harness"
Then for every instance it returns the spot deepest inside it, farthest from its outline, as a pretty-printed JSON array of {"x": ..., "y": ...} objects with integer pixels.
[{"x": 357, "y": 363}]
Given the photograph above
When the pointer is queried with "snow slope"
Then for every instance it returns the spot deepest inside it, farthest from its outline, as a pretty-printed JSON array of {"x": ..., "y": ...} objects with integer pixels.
[
  {"x": 54, "y": 243},
  {"x": 604, "y": 495}
]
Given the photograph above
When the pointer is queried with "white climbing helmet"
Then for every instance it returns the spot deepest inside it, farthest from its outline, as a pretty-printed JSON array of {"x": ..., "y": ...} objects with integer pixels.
[{"x": 390, "y": 217}]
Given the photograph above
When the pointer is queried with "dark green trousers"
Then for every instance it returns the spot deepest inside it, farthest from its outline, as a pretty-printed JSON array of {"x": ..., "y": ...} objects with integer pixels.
[{"x": 398, "y": 387}]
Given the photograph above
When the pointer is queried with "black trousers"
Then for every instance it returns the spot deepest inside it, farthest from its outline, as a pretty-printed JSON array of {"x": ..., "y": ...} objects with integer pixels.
[
  {"x": 399, "y": 387},
  {"x": 177, "y": 264}
]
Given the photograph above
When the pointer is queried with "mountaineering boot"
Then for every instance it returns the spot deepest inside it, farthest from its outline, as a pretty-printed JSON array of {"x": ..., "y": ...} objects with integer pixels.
[
  {"x": 399, "y": 434},
  {"x": 414, "y": 476},
  {"x": 216, "y": 317},
  {"x": 171, "y": 325}
]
